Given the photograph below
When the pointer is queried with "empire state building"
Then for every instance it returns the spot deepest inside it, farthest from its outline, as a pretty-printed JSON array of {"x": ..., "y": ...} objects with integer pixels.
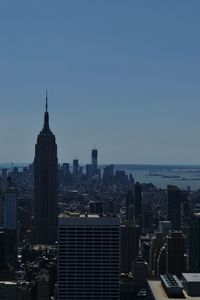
[{"x": 45, "y": 185}]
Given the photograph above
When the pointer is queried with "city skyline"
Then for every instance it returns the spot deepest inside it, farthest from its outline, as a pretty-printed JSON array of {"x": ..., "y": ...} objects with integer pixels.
[
  {"x": 99, "y": 160},
  {"x": 121, "y": 76}
]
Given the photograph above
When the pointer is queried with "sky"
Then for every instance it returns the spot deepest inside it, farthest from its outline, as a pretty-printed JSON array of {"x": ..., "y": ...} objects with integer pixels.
[{"x": 121, "y": 75}]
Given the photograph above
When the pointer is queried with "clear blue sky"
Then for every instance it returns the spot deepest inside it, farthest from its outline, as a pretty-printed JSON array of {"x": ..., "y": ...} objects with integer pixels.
[{"x": 123, "y": 75}]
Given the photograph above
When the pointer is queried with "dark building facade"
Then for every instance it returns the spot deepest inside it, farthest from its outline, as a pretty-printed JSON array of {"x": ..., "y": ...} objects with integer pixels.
[
  {"x": 88, "y": 257},
  {"x": 130, "y": 206},
  {"x": 175, "y": 249},
  {"x": 108, "y": 175},
  {"x": 96, "y": 207},
  {"x": 45, "y": 186},
  {"x": 129, "y": 246},
  {"x": 174, "y": 206},
  {"x": 94, "y": 159},
  {"x": 194, "y": 244},
  {"x": 75, "y": 167},
  {"x": 8, "y": 249},
  {"x": 161, "y": 262},
  {"x": 138, "y": 201},
  {"x": 157, "y": 243}
]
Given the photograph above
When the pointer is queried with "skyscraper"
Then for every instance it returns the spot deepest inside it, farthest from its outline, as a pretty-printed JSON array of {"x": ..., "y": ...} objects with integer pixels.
[
  {"x": 138, "y": 201},
  {"x": 10, "y": 208},
  {"x": 108, "y": 175},
  {"x": 88, "y": 257},
  {"x": 156, "y": 244},
  {"x": 94, "y": 161},
  {"x": 75, "y": 167},
  {"x": 165, "y": 227},
  {"x": 130, "y": 206},
  {"x": 45, "y": 185},
  {"x": 8, "y": 249},
  {"x": 96, "y": 207},
  {"x": 174, "y": 206},
  {"x": 194, "y": 243},
  {"x": 175, "y": 250},
  {"x": 130, "y": 234},
  {"x": 4, "y": 173}
]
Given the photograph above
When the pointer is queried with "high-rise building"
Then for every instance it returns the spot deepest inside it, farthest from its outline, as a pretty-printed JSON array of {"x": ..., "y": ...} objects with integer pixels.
[
  {"x": 161, "y": 262},
  {"x": 175, "y": 250},
  {"x": 165, "y": 227},
  {"x": 65, "y": 175},
  {"x": 121, "y": 177},
  {"x": 140, "y": 272},
  {"x": 94, "y": 161},
  {"x": 156, "y": 244},
  {"x": 111, "y": 206},
  {"x": 88, "y": 257},
  {"x": 130, "y": 206},
  {"x": 96, "y": 207},
  {"x": 43, "y": 285},
  {"x": 129, "y": 246},
  {"x": 65, "y": 168},
  {"x": 147, "y": 212},
  {"x": 10, "y": 208},
  {"x": 8, "y": 289},
  {"x": 1, "y": 209},
  {"x": 138, "y": 201},
  {"x": 88, "y": 171},
  {"x": 8, "y": 249},
  {"x": 45, "y": 185},
  {"x": 75, "y": 167},
  {"x": 108, "y": 175},
  {"x": 174, "y": 206},
  {"x": 4, "y": 173},
  {"x": 194, "y": 244}
]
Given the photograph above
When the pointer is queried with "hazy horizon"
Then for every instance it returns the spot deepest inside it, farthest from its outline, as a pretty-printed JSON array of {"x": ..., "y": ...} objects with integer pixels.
[{"x": 13, "y": 163}]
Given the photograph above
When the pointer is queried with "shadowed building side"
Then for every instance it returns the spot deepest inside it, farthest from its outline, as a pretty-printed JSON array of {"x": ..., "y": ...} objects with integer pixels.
[
  {"x": 174, "y": 198},
  {"x": 194, "y": 244},
  {"x": 45, "y": 186}
]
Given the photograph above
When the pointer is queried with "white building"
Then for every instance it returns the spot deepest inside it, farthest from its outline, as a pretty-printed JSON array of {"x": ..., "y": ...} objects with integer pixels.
[{"x": 88, "y": 252}]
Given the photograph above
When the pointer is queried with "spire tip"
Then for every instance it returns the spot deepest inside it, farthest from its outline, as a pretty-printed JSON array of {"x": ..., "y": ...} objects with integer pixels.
[{"x": 46, "y": 100}]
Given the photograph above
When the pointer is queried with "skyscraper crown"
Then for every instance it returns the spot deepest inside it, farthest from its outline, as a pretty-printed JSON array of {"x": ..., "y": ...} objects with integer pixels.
[{"x": 46, "y": 129}]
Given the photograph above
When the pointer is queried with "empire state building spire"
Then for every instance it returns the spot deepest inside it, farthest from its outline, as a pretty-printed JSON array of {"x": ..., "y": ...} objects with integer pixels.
[
  {"x": 46, "y": 100},
  {"x": 46, "y": 128}
]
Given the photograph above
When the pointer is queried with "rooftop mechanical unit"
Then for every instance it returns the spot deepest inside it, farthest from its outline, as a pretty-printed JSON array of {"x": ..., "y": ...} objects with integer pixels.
[{"x": 172, "y": 286}]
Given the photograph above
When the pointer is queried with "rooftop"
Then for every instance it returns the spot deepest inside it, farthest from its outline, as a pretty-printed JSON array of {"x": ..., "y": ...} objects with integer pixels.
[
  {"x": 160, "y": 294},
  {"x": 86, "y": 215},
  {"x": 87, "y": 219},
  {"x": 192, "y": 277}
]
